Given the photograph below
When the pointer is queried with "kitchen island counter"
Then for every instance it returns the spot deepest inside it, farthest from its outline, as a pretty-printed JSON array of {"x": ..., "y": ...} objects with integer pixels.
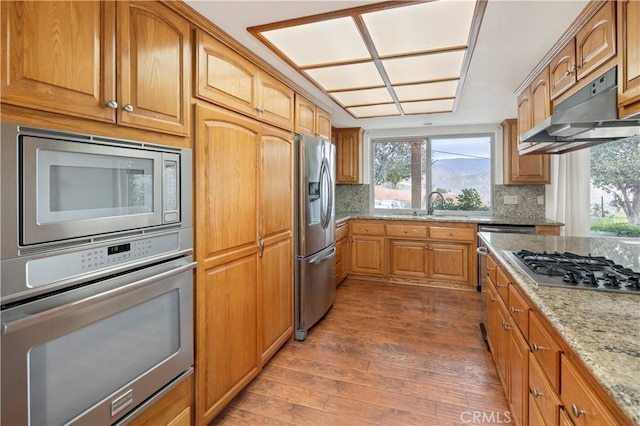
[
  {"x": 602, "y": 328},
  {"x": 479, "y": 219}
]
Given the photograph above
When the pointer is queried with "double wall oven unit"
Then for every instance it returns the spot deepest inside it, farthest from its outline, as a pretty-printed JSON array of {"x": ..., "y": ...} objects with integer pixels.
[{"x": 96, "y": 264}]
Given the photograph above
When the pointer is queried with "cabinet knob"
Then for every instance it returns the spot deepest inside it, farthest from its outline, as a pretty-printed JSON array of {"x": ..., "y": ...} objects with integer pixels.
[
  {"x": 577, "y": 411},
  {"x": 514, "y": 310},
  {"x": 112, "y": 104},
  {"x": 256, "y": 109},
  {"x": 451, "y": 234},
  {"x": 405, "y": 231},
  {"x": 536, "y": 347},
  {"x": 366, "y": 229},
  {"x": 128, "y": 108},
  {"x": 505, "y": 325}
]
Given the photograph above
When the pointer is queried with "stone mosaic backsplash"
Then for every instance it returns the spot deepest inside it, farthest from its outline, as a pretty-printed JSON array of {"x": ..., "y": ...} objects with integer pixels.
[
  {"x": 352, "y": 198},
  {"x": 523, "y": 201}
]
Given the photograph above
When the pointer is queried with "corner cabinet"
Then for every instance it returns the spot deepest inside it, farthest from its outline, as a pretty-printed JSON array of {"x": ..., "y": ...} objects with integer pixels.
[
  {"x": 521, "y": 169},
  {"x": 244, "y": 250},
  {"x": 629, "y": 58},
  {"x": 226, "y": 78},
  {"x": 349, "y": 155},
  {"x": 125, "y": 62}
]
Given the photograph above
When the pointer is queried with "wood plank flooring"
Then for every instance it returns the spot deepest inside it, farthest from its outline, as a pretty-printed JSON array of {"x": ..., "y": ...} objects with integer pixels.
[{"x": 386, "y": 354}]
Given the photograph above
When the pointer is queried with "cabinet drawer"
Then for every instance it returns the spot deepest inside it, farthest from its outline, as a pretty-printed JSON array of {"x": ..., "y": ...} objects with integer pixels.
[
  {"x": 519, "y": 310},
  {"x": 492, "y": 268},
  {"x": 502, "y": 285},
  {"x": 410, "y": 231},
  {"x": 367, "y": 228},
  {"x": 582, "y": 405},
  {"x": 342, "y": 231},
  {"x": 452, "y": 234},
  {"x": 545, "y": 350},
  {"x": 542, "y": 394}
]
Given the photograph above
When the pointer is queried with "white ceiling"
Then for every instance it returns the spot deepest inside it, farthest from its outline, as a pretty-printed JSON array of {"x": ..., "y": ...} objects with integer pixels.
[{"x": 514, "y": 36}]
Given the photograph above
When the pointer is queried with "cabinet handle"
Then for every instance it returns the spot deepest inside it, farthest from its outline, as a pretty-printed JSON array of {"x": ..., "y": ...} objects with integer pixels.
[
  {"x": 577, "y": 411},
  {"x": 112, "y": 104},
  {"x": 499, "y": 285},
  {"x": 535, "y": 393},
  {"x": 505, "y": 325},
  {"x": 261, "y": 110},
  {"x": 536, "y": 347},
  {"x": 492, "y": 298},
  {"x": 490, "y": 269},
  {"x": 128, "y": 108},
  {"x": 514, "y": 310},
  {"x": 261, "y": 244}
]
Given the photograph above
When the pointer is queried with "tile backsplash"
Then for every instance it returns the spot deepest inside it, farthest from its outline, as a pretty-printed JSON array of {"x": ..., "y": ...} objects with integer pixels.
[
  {"x": 525, "y": 201},
  {"x": 352, "y": 198}
]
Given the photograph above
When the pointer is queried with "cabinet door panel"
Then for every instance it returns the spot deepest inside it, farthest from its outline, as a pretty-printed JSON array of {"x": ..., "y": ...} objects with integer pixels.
[
  {"x": 562, "y": 70},
  {"x": 519, "y": 376},
  {"x": 348, "y": 156},
  {"x": 59, "y": 57},
  {"x": 323, "y": 124},
  {"x": 277, "y": 181},
  {"x": 407, "y": 259},
  {"x": 154, "y": 66},
  {"x": 276, "y": 102},
  {"x": 540, "y": 102},
  {"x": 521, "y": 169},
  {"x": 449, "y": 262},
  {"x": 305, "y": 116},
  {"x": 227, "y": 150},
  {"x": 276, "y": 297},
  {"x": 524, "y": 111},
  {"x": 629, "y": 60},
  {"x": 224, "y": 77},
  {"x": 367, "y": 255},
  {"x": 595, "y": 42}
]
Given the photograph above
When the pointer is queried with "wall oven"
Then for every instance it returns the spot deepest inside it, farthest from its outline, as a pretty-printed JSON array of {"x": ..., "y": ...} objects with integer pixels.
[{"x": 96, "y": 262}]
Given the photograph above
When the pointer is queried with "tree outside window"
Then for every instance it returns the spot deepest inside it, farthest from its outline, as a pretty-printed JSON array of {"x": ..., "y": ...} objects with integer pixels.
[
  {"x": 406, "y": 170},
  {"x": 615, "y": 188}
]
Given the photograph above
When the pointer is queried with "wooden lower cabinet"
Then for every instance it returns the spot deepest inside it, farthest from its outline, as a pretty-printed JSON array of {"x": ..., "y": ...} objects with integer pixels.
[
  {"x": 244, "y": 248},
  {"x": 543, "y": 398},
  {"x": 408, "y": 259},
  {"x": 342, "y": 252},
  {"x": 367, "y": 255},
  {"x": 518, "y": 376},
  {"x": 501, "y": 356},
  {"x": 449, "y": 262}
]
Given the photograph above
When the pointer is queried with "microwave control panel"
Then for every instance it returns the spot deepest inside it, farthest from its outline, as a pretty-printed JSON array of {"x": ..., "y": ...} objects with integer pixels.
[{"x": 47, "y": 270}]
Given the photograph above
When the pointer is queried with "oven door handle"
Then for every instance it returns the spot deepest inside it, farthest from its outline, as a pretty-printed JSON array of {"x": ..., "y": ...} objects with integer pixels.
[{"x": 91, "y": 300}]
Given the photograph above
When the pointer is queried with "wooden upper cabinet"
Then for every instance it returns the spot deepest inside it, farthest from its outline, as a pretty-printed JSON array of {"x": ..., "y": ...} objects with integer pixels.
[
  {"x": 562, "y": 70},
  {"x": 596, "y": 41},
  {"x": 348, "y": 155},
  {"x": 629, "y": 57},
  {"x": 59, "y": 57},
  {"x": 311, "y": 120},
  {"x": 154, "y": 61},
  {"x": 521, "y": 169},
  {"x": 66, "y": 57},
  {"x": 524, "y": 111},
  {"x": 540, "y": 102},
  {"x": 226, "y": 78}
]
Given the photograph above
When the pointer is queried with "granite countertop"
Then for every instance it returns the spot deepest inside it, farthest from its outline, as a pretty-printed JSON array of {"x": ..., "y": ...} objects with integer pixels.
[
  {"x": 602, "y": 328},
  {"x": 480, "y": 219}
]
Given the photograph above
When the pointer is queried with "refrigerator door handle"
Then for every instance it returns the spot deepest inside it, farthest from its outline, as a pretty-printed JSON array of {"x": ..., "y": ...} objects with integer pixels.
[
  {"x": 326, "y": 196},
  {"x": 322, "y": 258}
]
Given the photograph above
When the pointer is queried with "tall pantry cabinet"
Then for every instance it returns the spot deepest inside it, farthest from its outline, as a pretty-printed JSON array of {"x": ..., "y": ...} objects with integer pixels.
[{"x": 244, "y": 219}]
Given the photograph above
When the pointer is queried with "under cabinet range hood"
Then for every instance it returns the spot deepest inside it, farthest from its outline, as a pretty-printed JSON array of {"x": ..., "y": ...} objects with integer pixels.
[{"x": 588, "y": 117}]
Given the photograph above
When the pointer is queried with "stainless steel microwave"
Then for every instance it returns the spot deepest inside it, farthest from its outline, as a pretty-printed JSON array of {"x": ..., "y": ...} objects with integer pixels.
[{"x": 62, "y": 188}]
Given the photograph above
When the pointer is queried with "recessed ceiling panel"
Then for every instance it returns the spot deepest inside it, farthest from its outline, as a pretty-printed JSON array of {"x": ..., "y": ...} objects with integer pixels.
[
  {"x": 351, "y": 76},
  {"x": 415, "y": 92},
  {"x": 322, "y": 42},
  {"x": 363, "y": 97},
  {"x": 424, "y": 67},
  {"x": 427, "y": 107},
  {"x": 374, "y": 110},
  {"x": 420, "y": 27}
]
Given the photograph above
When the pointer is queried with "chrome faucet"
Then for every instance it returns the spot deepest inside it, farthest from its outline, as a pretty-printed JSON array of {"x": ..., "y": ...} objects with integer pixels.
[{"x": 429, "y": 205}]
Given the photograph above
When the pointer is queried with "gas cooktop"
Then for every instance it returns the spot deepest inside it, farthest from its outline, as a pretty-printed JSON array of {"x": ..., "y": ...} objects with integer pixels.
[{"x": 571, "y": 270}]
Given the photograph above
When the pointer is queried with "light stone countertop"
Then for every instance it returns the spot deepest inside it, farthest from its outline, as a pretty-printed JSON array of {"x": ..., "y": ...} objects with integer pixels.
[
  {"x": 602, "y": 328},
  {"x": 480, "y": 219}
]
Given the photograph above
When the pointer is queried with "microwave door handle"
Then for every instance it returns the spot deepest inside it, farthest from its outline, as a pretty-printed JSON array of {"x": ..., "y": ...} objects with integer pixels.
[{"x": 49, "y": 314}]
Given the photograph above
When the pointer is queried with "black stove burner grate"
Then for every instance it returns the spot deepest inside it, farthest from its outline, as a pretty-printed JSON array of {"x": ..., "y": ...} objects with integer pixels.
[{"x": 573, "y": 270}]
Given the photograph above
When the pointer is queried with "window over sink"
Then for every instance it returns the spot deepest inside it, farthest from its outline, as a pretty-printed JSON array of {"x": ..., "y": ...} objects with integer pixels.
[{"x": 404, "y": 171}]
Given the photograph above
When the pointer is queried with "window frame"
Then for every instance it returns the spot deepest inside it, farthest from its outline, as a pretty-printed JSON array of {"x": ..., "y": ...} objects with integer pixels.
[{"x": 427, "y": 183}]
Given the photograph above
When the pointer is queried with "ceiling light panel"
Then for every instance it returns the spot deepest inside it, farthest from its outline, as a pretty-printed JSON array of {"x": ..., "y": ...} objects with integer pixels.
[
  {"x": 422, "y": 27},
  {"x": 415, "y": 92},
  {"x": 363, "y": 97},
  {"x": 428, "y": 107},
  {"x": 322, "y": 42},
  {"x": 351, "y": 76},
  {"x": 436, "y": 66},
  {"x": 374, "y": 111}
]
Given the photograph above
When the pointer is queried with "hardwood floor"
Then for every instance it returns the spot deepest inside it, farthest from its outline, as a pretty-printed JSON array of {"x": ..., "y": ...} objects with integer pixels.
[{"x": 386, "y": 354}]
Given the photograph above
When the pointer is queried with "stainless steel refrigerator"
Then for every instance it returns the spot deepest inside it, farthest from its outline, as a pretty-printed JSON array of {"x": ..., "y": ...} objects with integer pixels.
[{"x": 315, "y": 288}]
